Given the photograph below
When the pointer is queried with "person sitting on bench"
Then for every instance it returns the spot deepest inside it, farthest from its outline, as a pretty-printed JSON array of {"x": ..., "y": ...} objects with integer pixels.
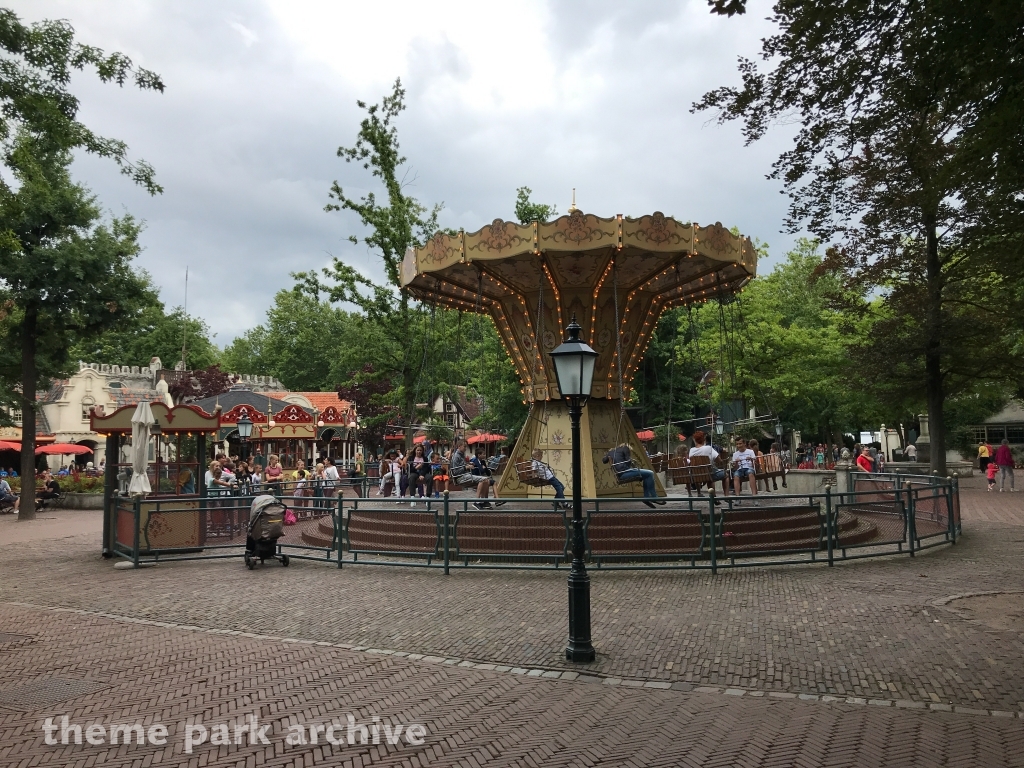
[
  {"x": 622, "y": 464},
  {"x": 700, "y": 449},
  {"x": 7, "y": 496},
  {"x": 743, "y": 460},
  {"x": 544, "y": 472},
  {"x": 49, "y": 491},
  {"x": 464, "y": 473}
]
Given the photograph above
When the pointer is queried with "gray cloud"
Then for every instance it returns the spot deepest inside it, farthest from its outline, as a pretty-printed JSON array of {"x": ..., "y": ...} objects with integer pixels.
[{"x": 589, "y": 95}]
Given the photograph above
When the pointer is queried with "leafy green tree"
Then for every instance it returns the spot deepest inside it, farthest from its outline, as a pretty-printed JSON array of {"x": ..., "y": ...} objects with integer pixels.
[
  {"x": 908, "y": 157},
  {"x": 664, "y": 388},
  {"x": 780, "y": 346},
  {"x": 393, "y": 227},
  {"x": 306, "y": 342},
  {"x": 493, "y": 377},
  {"x": 65, "y": 277},
  {"x": 528, "y": 212},
  {"x": 151, "y": 331},
  {"x": 35, "y": 73}
]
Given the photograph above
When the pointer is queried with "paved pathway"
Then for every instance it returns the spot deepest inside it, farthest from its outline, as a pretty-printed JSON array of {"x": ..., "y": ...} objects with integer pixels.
[{"x": 868, "y": 663}]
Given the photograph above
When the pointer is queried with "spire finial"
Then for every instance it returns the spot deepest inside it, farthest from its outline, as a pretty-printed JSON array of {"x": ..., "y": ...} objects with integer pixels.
[{"x": 572, "y": 206}]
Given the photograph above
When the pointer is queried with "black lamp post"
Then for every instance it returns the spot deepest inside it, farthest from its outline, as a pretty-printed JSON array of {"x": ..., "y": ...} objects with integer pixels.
[
  {"x": 574, "y": 367},
  {"x": 244, "y": 425}
]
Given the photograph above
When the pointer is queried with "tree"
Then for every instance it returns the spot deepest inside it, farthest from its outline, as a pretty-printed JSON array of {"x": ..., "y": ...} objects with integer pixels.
[
  {"x": 664, "y": 387},
  {"x": 402, "y": 223},
  {"x": 151, "y": 331},
  {"x": 65, "y": 277},
  {"x": 200, "y": 384},
  {"x": 907, "y": 160},
  {"x": 370, "y": 393},
  {"x": 528, "y": 212},
  {"x": 35, "y": 72},
  {"x": 306, "y": 342},
  {"x": 493, "y": 377}
]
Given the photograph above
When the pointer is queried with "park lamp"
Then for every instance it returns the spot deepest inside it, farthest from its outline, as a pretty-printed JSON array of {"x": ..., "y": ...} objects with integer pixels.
[
  {"x": 778, "y": 431},
  {"x": 574, "y": 368},
  {"x": 574, "y": 364},
  {"x": 244, "y": 425}
]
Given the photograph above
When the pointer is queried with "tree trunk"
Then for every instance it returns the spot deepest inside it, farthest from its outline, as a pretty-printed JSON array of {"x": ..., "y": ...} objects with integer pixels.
[
  {"x": 933, "y": 349},
  {"x": 409, "y": 407},
  {"x": 27, "y": 503}
]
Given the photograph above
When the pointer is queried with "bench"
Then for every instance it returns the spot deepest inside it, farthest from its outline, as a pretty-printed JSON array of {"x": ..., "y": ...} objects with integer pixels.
[
  {"x": 528, "y": 475},
  {"x": 769, "y": 466},
  {"x": 659, "y": 462},
  {"x": 694, "y": 473}
]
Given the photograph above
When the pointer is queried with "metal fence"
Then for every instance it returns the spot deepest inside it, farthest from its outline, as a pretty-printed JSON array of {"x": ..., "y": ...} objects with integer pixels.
[{"x": 880, "y": 515}]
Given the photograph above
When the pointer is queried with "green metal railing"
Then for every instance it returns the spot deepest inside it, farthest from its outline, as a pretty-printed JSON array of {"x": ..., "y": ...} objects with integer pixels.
[{"x": 880, "y": 516}]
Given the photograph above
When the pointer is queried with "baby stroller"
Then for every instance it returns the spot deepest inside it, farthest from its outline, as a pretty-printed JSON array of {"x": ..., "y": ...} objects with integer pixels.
[{"x": 266, "y": 526}]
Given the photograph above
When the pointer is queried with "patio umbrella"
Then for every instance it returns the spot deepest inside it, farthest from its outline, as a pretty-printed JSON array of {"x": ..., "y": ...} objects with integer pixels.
[
  {"x": 63, "y": 449},
  {"x": 645, "y": 435},
  {"x": 8, "y": 446},
  {"x": 487, "y": 437},
  {"x": 142, "y": 420}
]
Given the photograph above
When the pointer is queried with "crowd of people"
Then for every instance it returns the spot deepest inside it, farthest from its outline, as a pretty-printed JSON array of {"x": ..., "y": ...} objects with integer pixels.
[
  {"x": 230, "y": 476},
  {"x": 429, "y": 467}
]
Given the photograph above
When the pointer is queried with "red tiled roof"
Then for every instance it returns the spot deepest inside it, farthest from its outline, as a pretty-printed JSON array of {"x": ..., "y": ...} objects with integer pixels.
[{"x": 319, "y": 400}]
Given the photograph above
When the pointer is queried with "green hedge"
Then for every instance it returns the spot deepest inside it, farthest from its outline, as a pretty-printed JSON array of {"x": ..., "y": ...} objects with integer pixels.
[{"x": 68, "y": 484}]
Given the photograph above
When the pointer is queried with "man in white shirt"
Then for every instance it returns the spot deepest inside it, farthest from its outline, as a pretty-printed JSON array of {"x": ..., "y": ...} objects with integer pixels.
[
  {"x": 700, "y": 449},
  {"x": 743, "y": 462},
  {"x": 911, "y": 452}
]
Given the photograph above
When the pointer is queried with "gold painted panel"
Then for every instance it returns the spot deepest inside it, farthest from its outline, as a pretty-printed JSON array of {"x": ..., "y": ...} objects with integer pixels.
[
  {"x": 498, "y": 240},
  {"x": 656, "y": 232},
  {"x": 579, "y": 231}
]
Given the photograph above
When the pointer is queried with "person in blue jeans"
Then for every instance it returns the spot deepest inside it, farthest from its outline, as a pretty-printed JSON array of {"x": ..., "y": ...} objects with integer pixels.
[
  {"x": 622, "y": 464},
  {"x": 543, "y": 471}
]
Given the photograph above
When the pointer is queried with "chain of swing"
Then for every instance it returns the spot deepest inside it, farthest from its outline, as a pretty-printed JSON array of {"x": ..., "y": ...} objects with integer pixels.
[{"x": 730, "y": 315}]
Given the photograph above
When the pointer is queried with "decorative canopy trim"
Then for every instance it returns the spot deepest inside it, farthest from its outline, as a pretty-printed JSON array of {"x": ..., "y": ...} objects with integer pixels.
[{"x": 180, "y": 418}]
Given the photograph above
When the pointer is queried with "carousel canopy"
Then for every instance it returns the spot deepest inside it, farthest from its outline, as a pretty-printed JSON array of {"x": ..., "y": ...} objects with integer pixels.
[{"x": 616, "y": 275}]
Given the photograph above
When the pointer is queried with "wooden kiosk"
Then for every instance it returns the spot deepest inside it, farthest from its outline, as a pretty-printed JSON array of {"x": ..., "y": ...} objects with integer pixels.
[{"x": 177, "y": 464}]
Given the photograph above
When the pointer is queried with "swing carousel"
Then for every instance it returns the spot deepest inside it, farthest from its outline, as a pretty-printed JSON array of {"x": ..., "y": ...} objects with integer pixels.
[{"x": 616, "y": 276}]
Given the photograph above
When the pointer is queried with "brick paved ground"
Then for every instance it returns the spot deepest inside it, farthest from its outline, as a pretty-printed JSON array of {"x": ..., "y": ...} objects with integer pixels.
[
  {"x": 885, "y": 631},
  {"x": 174, "y": 677}
]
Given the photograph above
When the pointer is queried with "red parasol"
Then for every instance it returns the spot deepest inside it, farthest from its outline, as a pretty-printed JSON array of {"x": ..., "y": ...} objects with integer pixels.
[
  {"x": 63, "y": 449},
  {"x": 487, "y": 437},
  {"x": 644, "y": 435},
  {"x": 9, "y": 446}
]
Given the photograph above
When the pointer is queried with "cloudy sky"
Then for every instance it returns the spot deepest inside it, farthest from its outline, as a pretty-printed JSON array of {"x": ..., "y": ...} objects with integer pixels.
[{"x": 552, "y": 95}]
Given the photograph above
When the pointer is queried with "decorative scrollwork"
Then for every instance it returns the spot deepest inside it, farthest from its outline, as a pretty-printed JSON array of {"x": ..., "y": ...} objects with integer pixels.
[
  {"x": 499, "y": 235},
  {"x": 717, "y": 237},
  {"x": 437, "y": 249},
  {"x": 575, "y": 230}
]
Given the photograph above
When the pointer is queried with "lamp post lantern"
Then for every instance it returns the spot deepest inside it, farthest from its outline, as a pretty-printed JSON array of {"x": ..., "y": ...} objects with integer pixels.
[
  {"x": 244, "y": 425},
  {"x": 574, "y": 368}
]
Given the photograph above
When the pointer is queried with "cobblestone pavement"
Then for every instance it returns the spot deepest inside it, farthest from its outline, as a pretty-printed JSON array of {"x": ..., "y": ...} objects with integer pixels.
[
  {"x": 889, "y": 631},
  {"x": 107, "y": 673}
]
